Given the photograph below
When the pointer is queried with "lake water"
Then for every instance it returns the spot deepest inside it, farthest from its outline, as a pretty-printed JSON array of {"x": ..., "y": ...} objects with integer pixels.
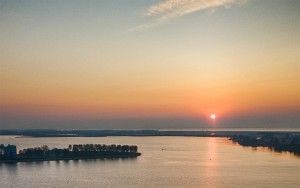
[{"x": 165, "y": 162}]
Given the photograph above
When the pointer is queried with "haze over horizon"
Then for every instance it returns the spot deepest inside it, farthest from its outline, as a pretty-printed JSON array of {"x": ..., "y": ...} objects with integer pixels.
[{"x": 149, "y": 64}]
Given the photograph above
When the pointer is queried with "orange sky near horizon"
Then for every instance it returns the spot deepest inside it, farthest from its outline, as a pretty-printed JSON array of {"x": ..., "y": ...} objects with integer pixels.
[{"x": 225, "y": 98}]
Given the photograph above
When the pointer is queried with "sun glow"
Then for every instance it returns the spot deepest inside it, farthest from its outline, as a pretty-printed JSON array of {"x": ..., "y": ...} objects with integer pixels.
[{"x": 213, "y": 116}]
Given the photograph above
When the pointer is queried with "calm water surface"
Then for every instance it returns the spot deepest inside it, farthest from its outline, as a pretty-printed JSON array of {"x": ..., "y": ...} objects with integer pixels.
[{"x": 165, "y": 162}]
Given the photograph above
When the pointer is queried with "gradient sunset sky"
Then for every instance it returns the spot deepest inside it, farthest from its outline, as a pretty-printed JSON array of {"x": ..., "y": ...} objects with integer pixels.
[{"x": 149, "y": 64}]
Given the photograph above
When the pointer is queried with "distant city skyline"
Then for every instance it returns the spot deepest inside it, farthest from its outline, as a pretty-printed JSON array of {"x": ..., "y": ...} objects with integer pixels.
[{"x": 149, "y": 64}]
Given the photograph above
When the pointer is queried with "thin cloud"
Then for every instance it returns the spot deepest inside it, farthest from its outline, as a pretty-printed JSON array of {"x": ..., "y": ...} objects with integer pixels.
[{"x": 171, "y": 9}]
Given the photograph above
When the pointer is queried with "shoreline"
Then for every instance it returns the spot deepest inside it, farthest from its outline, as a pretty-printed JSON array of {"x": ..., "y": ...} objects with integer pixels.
[
  {"x": 119, "y": 156},
  {"x": 281, "y": 141},
  {"x": 140, "y": 133}
]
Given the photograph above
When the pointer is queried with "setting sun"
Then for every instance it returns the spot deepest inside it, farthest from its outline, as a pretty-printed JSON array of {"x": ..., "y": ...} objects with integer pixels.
[{"x": 213, "y": 116}]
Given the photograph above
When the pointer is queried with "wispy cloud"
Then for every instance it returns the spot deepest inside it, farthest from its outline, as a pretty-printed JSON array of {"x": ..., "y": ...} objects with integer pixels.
[{"x": 171, "y": 9}]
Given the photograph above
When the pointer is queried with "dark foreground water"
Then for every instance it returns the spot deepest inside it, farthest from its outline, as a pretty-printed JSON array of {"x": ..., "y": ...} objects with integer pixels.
[{"x": 165, "y": 162}]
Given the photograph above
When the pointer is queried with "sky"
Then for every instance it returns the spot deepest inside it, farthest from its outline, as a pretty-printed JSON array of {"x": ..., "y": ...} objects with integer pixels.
[{"x": 149, "y": 64}]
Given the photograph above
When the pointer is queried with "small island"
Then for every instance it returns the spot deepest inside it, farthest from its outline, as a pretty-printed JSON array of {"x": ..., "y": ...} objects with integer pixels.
[{"x": 73, "y": 152}]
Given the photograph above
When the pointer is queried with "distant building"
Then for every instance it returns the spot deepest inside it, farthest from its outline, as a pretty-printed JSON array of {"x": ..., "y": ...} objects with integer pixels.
[
  {"x": 1, "y": 150},
  {"x": 9, "y": 151}
]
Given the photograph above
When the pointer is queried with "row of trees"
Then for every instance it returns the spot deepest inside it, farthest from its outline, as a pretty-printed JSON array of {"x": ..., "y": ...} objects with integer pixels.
[
  {"x": 78, "y": 149},
  {"x": 102, "y": 147},
  {"x": 279, "y": 143}
]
